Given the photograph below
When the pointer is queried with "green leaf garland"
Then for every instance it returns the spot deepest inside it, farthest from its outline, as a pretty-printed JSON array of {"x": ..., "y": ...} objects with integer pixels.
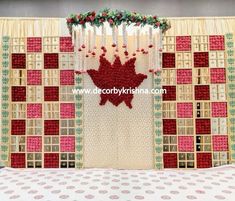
[{"x": 116, "y": 18}]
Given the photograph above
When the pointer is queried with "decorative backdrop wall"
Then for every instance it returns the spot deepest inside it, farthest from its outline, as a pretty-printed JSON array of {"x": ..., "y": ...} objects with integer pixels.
[{"x": 193, "y": 28}]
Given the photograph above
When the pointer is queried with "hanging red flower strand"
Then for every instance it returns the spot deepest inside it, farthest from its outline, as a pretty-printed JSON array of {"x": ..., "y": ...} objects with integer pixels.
[{"x": 118, "y": 76}]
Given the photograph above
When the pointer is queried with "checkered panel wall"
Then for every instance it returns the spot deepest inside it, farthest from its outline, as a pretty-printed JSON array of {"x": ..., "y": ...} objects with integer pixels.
[
  {"x": 42, "y": 132},
  {"x": 44, "y": 121},
  {"x": 195, "y": 133}
]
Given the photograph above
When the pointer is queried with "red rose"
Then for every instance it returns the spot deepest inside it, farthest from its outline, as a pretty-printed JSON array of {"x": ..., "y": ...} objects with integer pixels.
[
  {"x": 93, "y": 13},
  {"x": 92, "y": 17},
  {"x": 158, "y": 24},
  {"x": 155, "y": 17},
  {"x": 101, "y": 20},
  {"x": 70, "y": 20},
  {"x": 79, "y": 16},
  {"x": 82, "y": 22},
  {"x": 110, "y": 21}
]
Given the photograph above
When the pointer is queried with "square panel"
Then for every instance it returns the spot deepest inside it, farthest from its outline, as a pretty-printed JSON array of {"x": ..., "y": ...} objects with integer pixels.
[
  {"x": 170, "y": 160},
  {"x": 168, "y": 110},
  {"x": 184, "y": 110},
  {"x": 34, "y": 127},
  {"x": 186, "y": 160},
  {"x": 216, "y": 42},
  {"x": 34, "y": 144},
  {"x": 67, "y": 61},
  {"x": 184, "y": 60},
  {"x": 51, "y": 77},
  {"x": 203, "y": 126},
  {"x": 170, "y": 94},
  {"x": 220, "y": 158},
  {"x": 219, "y": 109},
  {"x": 186, "y": 143},
  {"x": 185, "y": 126},
  {"x": 34, "y": 110},
  {"x": 66, "y": 93},
  {"x": 202, "y": 92},
  {"x": 18, "y": 127},
  {"x": 34, "y": 44},
  {"x": 200, "y": 43},
  {"x": 203, "y": 143},
  {"x": 51, "y": 160},
  {"x": 18, "y": 77},
  {"x": 219, "y": 126},
  {"x": 67, "y": 77},
  {"x": 51, "y": 61},
  {"x": 67, "y": 110},
  {"x": 201, "y": 76},
  {"x": 51, "y": 144},
  {"x": 169, "y": 127},
  {"x": 201, "y": 59},
  {"x": 18, "y": 94},
  {"x": 203, "y": 109},
  {"x": 169, "y": 143},
  {"x": 217, "y": 75},
  {"x": 183, "y": 43},
  {"x": 168, "y": 77},
  {"x": 184, "y": 76},
  {"x": 67, "y": 127},
  {"x": 66, "y": 44},
  {"x": 18, "y": 111},
  {"x": 67, "y": 160},
  {"x": 34, "y": 160},
  {"x": 218, "y": 92},
  {"x": 18, "y": 61},
  {"x": 34, "y": 77},
  {"x": 51, "y": 93},
  {"x": 51, "y": 127},
  {"x": 17, "y": 144},
  {"x": 34, "y": 93},
  {"x": 204, "y": 160},
  {"x": 220, "y": 143},
  {"x": 185, "y": 92},
  {"x": 18, "y": 160},
  {"x": 67, "y": 144},
  {"x": 51, "y": 110},
  {"x": 168, "y": 60}
]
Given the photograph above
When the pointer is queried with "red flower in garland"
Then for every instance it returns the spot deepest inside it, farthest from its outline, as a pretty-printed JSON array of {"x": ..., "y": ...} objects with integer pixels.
[{"x": 119, "y": 76}]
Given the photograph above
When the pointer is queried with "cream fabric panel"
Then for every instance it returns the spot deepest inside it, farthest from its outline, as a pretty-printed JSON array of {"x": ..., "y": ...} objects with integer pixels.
[
  {"x": 118, "y": 137},
  {"x": 201, "y": 25}
]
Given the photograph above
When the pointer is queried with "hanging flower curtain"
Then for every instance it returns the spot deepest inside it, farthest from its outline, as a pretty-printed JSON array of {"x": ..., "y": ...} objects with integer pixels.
[{"x": 146, "y": 32}]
